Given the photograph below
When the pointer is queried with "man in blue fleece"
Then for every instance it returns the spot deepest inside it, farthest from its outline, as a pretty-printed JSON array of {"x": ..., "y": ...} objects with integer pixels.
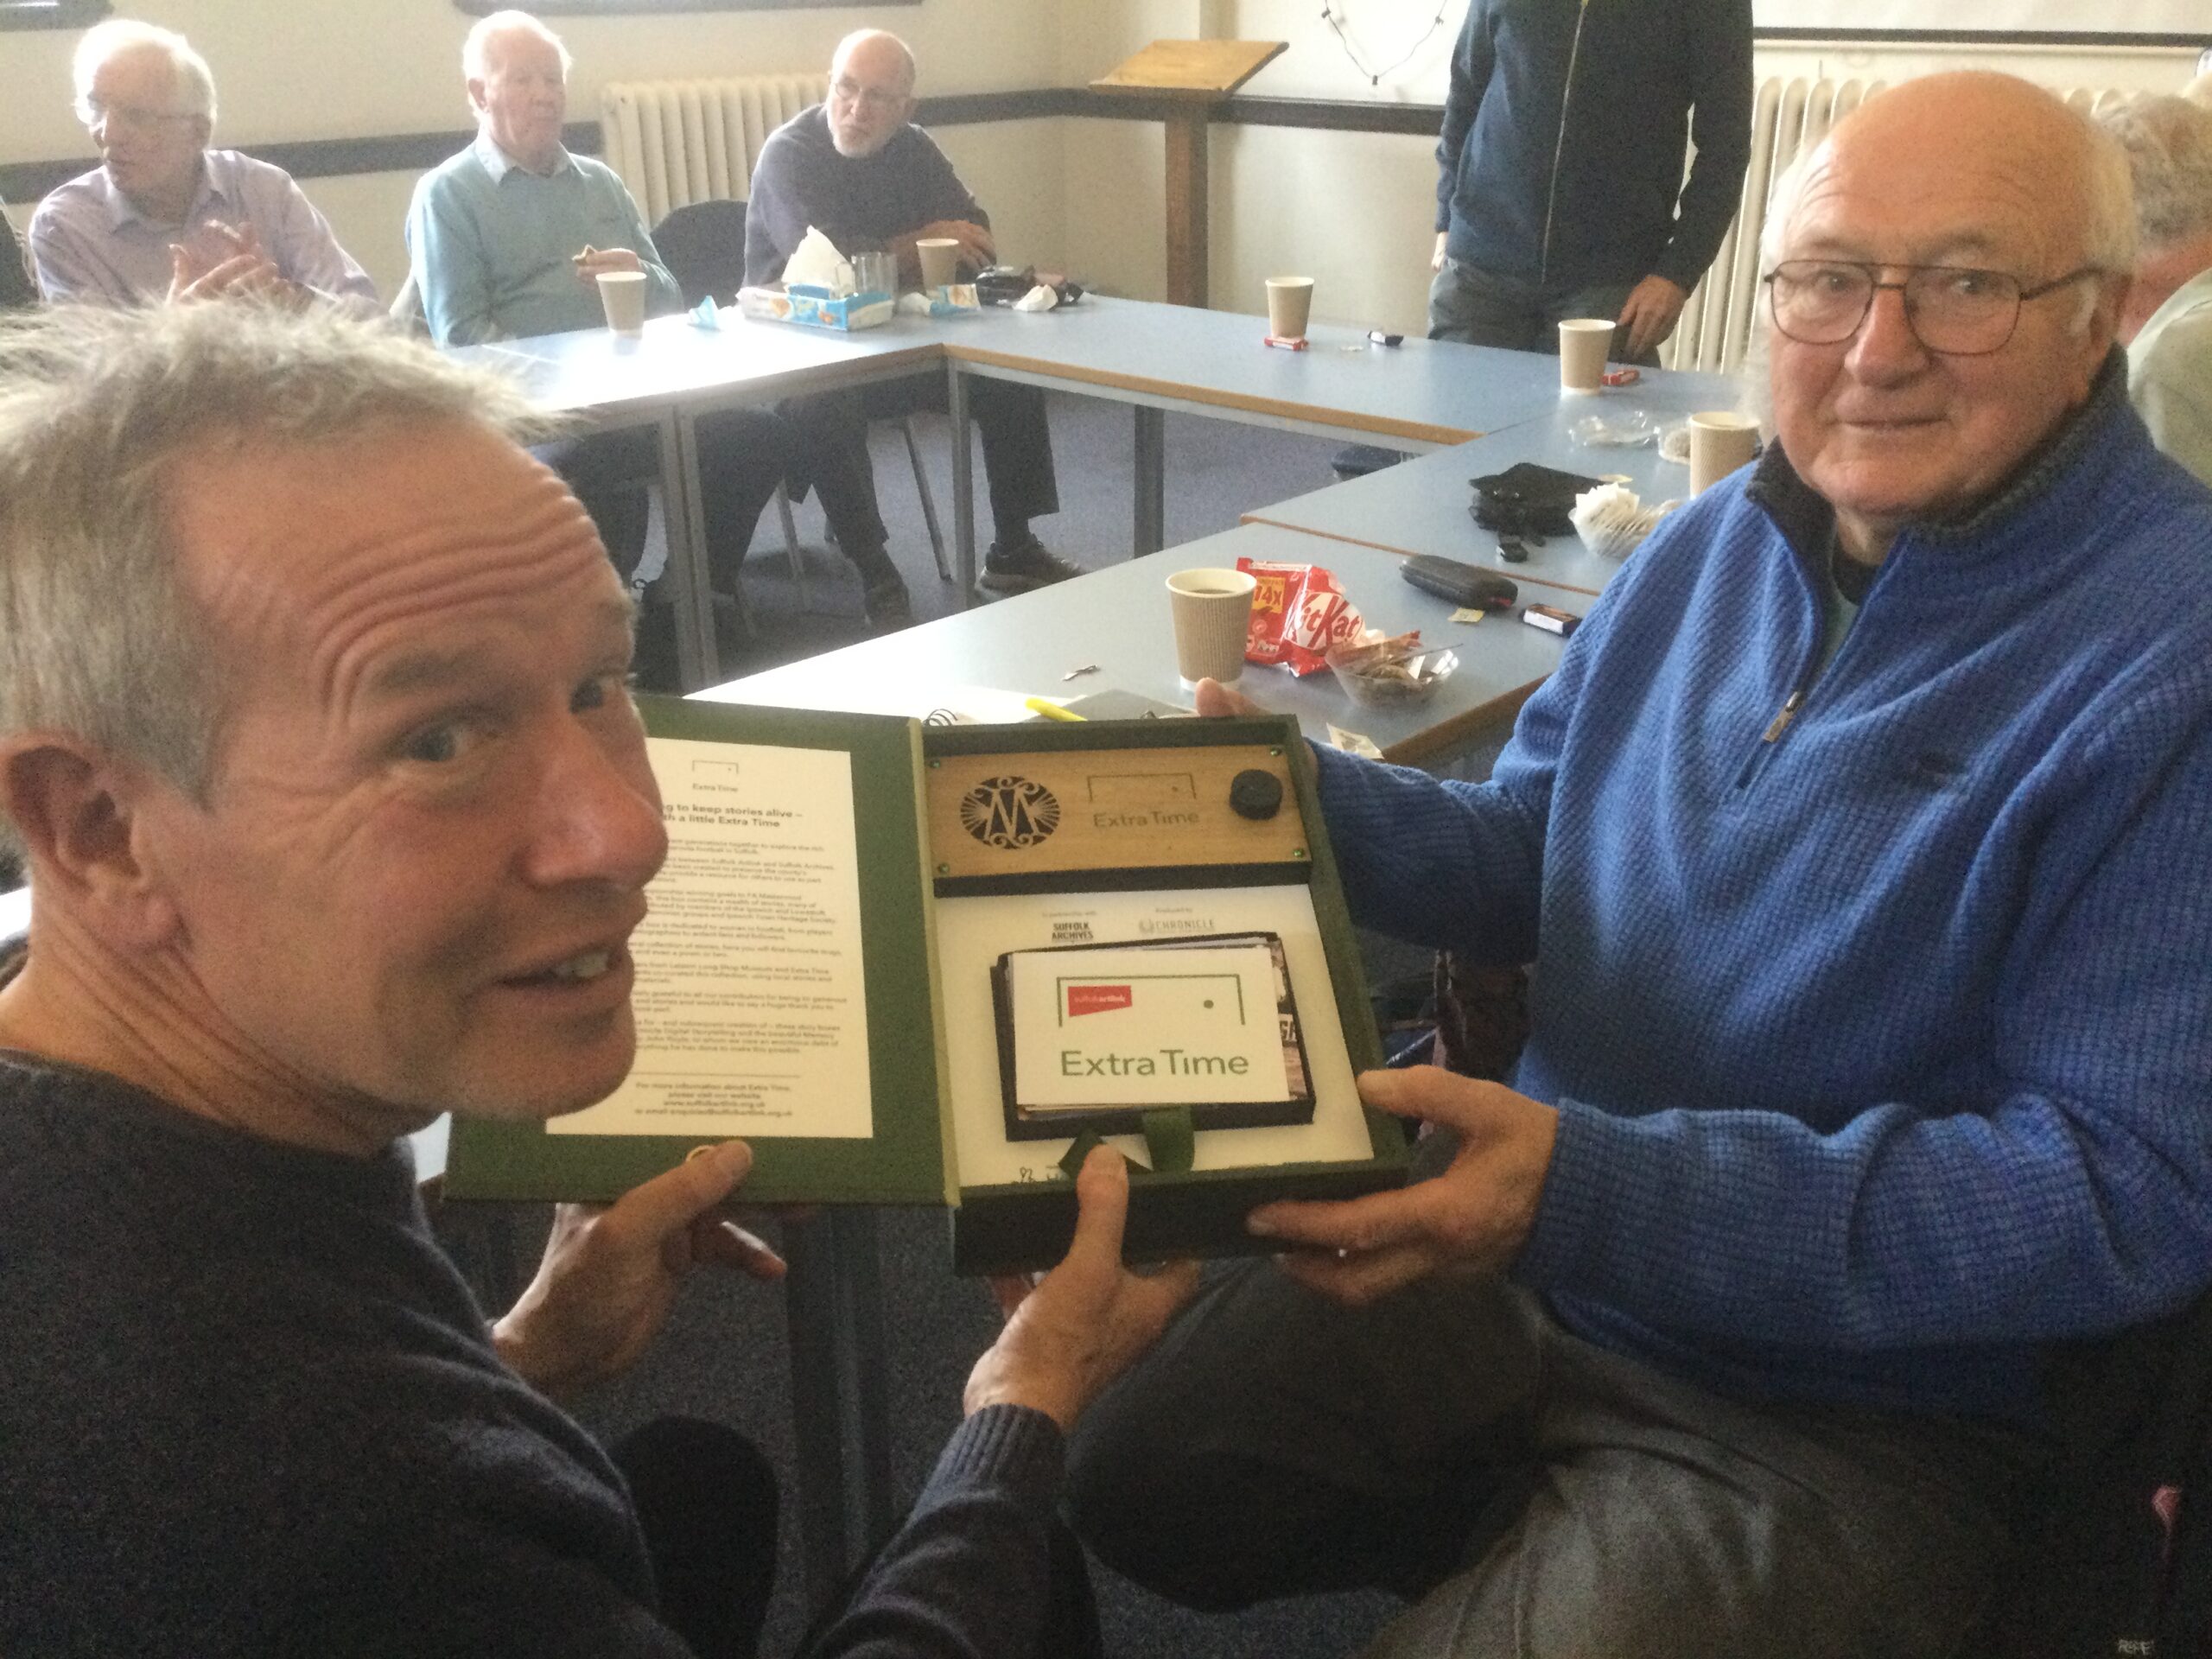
[
  {"x": 1559, "y": 190},
  {"x": 315, "y": 728},
  {"x": 1857, "y": 844}
]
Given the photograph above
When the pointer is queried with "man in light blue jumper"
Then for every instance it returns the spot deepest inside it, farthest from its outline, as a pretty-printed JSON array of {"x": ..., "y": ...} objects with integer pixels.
[
  {"x": 509, "y": 237},
  {"x": 1858, "y": 846}
]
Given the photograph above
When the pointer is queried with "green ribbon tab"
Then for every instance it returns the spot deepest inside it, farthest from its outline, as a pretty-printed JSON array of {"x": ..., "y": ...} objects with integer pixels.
[
  {"x": 1171, "y": 1138},
  {"x": 1071, "y": 1159}
]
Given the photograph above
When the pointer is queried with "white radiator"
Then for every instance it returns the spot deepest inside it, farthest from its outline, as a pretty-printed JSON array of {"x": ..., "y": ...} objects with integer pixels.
[
  {"x": 677, "y": 141},
  {"x": 1788, "y": 116}
]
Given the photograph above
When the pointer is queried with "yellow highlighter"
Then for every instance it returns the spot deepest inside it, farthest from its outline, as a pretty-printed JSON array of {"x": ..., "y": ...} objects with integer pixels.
[{"x": 1050, "y": 709}]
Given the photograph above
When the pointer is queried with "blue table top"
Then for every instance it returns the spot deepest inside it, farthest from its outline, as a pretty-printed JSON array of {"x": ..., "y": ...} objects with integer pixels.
[
  {"x": 1419, "y": 393},
  {"x": 1118, "y": 619},
  {"x": 1420, "y": 506}
]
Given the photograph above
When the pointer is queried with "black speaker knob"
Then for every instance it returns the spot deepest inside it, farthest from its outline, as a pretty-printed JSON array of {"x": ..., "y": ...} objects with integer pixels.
[{"x": 1256, "y": 794}]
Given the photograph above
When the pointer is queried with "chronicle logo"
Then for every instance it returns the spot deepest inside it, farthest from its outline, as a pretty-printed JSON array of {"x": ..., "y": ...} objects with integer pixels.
[{"x": 1009, "y": 811}]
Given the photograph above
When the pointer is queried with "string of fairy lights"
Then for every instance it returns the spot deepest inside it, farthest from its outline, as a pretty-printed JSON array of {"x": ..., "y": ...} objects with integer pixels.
[{"x": 1333, "y": 14}]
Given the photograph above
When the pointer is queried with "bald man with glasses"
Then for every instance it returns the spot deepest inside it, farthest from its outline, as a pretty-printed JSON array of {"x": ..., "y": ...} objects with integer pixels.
[
  {"x": 1857, "y": 844},
  {"x": 858, "y": 170}
]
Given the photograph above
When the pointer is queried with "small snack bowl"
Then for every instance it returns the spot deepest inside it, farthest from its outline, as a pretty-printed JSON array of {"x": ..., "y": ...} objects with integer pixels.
[{"x": 1389, "y": 672}]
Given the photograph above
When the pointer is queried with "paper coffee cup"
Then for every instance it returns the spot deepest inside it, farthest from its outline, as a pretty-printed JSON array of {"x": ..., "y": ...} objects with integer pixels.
[
  {"x": 1583, "y": 343},
  {"x": 1721, "y": 441},
  {"x": 1213, "y": 614},
  {"x": 940, "y": 257},
  {"x": 1290, "y": 303},
  {"x": 623, "y": 295}
]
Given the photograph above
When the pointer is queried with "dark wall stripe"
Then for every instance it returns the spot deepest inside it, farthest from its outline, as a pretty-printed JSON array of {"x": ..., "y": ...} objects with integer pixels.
[
  {"x": 310, "y": 158},
  {"x": 1334, "y": 114},
  {"x": 321, "y": 158}
]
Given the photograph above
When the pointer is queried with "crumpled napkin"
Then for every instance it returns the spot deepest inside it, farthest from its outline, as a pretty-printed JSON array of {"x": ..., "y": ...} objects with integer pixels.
[
  {"x": 1039, "y": 298},
  {"x": 1612, "y": 521}
]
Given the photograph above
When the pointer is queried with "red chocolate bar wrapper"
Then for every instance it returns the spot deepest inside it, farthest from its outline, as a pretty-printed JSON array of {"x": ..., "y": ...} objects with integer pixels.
[{"x": 1297, "y": 613}]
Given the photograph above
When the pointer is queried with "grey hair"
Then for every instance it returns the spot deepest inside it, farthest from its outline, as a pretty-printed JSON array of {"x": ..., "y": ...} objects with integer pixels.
[
  {"x": 476, "y": 50},
  {"x": 196, "y": 81},
  {"x": 2107, "y": 225},
  {"x": 99, "y": 635},
  {"x": 859, "y": 36},
  {"x": 2168, "y": 143}
]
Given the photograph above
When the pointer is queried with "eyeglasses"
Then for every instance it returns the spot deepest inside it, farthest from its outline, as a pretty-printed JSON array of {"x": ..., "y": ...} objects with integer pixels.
[
  {"x": 126, "y": 117},
  {"x": 846, "y": 90},
  {"x": 1953, "y": 309}
]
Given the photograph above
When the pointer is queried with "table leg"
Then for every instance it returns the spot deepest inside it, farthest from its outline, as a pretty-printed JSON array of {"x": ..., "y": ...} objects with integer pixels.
[
  {"x": 840, "y": 1396},
  {"x": 697, "y": 661},
  {"x": 860, "y": 1281},
  {"x": 963, "y": 484},
  {"x": 1151, "y": 469}
]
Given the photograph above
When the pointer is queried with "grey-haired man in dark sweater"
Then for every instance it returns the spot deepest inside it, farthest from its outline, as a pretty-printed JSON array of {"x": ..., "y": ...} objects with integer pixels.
[
  {"x": 314, "y": 728},
  {"x": 856, "y": 168}
]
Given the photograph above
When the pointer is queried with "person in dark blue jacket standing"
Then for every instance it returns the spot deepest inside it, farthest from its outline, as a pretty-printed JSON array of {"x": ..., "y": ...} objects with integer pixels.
[{"x": 1560, "y": 190}]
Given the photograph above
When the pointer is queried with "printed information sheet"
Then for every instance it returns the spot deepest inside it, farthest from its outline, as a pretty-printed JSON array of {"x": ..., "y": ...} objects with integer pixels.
[{"x": 752, "y": 1016}]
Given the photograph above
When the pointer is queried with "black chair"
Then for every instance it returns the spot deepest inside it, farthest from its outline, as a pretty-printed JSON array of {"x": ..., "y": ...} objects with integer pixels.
[
  {"x": 1358, "y": 459},
  {"x": 2114, "y": 1539},
  {"x": 17, "y": 287},
  {"x": 702, "y": 244}
]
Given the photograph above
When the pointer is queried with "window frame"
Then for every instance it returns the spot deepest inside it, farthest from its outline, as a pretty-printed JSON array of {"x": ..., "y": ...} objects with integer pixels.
[{"x": 63, "y": 14}]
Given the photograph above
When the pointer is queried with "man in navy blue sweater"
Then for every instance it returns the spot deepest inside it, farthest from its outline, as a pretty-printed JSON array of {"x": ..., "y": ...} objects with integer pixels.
[
  {"x": 1857, "y": 844},
  {"x": 1559, "y": 190},
  {"x": 858, "y": 170},
  {"x": 314, "y": 727}
]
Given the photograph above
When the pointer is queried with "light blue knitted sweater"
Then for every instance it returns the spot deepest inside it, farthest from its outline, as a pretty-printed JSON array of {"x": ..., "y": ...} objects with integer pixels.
[{"x": 1883, "y": 1046}]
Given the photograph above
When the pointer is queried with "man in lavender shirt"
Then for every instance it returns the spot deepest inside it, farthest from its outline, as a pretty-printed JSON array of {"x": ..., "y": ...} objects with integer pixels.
[{"x": 166, "y": 217}]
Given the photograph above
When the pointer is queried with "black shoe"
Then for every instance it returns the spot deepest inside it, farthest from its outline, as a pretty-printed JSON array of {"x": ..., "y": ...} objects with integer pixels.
[
  {"x": 1028, "y": 563},
  {"x": 885, "y": 602}
]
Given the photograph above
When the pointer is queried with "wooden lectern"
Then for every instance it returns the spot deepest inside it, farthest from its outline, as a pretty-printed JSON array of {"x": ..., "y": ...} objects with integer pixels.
[{"x": 1189, "y": 76}]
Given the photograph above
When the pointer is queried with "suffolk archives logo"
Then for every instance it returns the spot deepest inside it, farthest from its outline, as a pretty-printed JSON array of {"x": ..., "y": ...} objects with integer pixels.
[{"x": 1009, "y": 812}]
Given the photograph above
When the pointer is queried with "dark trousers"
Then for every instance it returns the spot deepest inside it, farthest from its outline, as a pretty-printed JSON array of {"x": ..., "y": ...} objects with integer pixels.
[
  {"x": 1480, "y": 307},
  {"x": 831, "y": 433},
  {"x": 743, "y": 455},
  {"x": 1529, "y": 1493}
]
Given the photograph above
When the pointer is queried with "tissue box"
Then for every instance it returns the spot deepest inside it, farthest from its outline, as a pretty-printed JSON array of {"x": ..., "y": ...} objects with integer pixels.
[
  {"x": 952, "y": 299},
  {"x": 818, "y": 308}
]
